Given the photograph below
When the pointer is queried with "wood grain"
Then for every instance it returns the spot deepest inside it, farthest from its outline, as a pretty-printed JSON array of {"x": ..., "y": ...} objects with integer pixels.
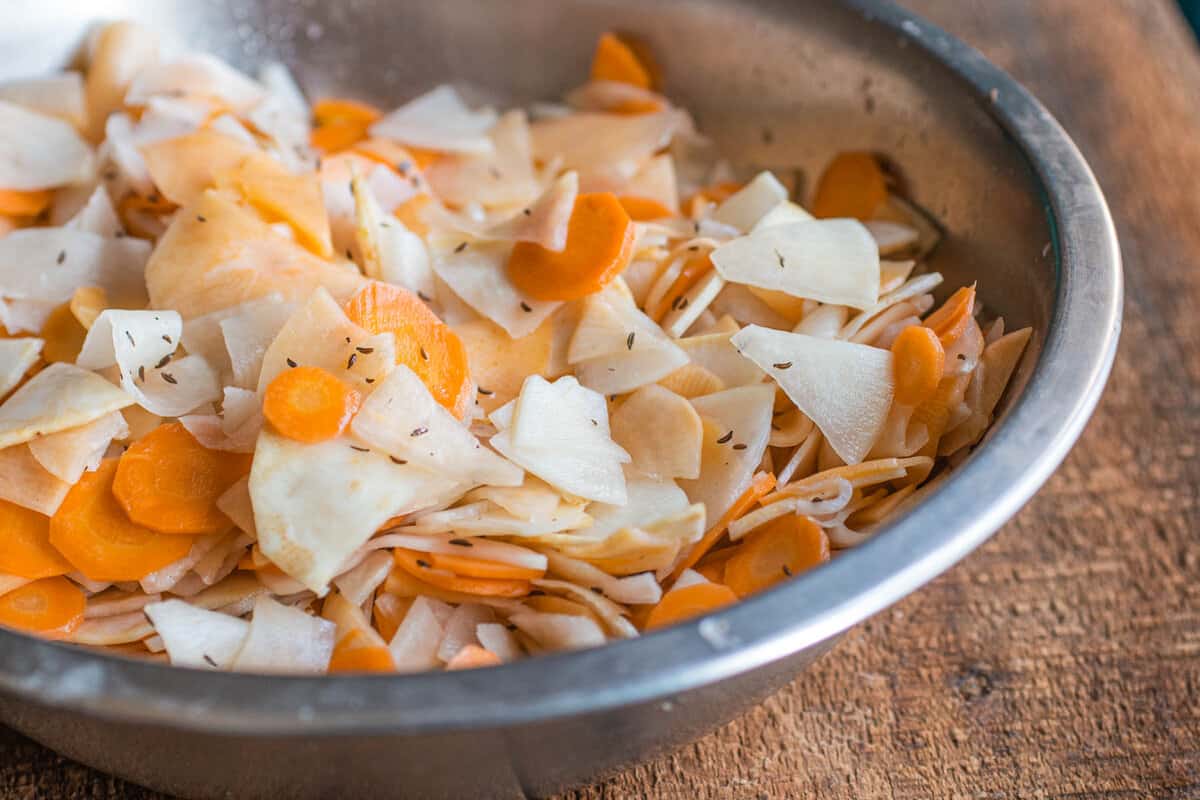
[{"x": 1062, "y": 659}]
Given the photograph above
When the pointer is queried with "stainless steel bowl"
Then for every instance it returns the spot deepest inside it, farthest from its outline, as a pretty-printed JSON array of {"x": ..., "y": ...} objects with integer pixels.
[{"x": 1025, "y": 217}]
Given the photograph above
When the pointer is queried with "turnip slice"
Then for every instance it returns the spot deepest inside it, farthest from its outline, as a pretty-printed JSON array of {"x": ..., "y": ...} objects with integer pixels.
[
  {"x": 831, "y": 260},
  {"x": 195, "y": 637},
  {"x": 845, "y": 388},
  {"x": 285, "y": 640},
  {"x": 661, "y": 431},
  {"x": 439, "y": 120},
  {"x": 748, "y": 205}
]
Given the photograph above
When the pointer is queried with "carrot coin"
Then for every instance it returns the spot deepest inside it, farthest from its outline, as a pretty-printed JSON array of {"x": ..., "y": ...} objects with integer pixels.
[
  {"x": 424, "y": 343},
  {"x": 25, "y": 549},
  {"x": 599, "y": 245},
  {"x": 784, "y": 547},
  {"x": 94, "y": 534},
  {"x": 918, "y": 360},
  {"x": 50, "y": 607},
  {"x": 169, "y": 482},
  {"x": 309, "y": 404},
  {"x": 690, "y": 601},
  {"x": 614, "y": 60},
  {"x": 853, "y": 185}
]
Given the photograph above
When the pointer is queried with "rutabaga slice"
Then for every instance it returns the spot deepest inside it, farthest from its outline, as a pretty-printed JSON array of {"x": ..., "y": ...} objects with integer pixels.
[
  {"x": 606, "y": 149},
  {"x": 97, "y": 216},
  {"x": 389, "y": 251},
  {"x": 616, "y": 348},
  {"x": 661, "y": 431},
  {"x": 631, "y": 550},
  {"x": 315, "y": 504},
  {"x": 560, "y": 433},
  {"x": 57, "y": 95},
  {"x": 142, "y": 345},
  {"x": 782, "y": 214},
  {"x": 546, "y": 222},
  {"x": 16, "y": 357},
  {"x": 831, "y": 260},
  {"x": 845, "y": 388},
  {"x": 49, "y": 264},
  {"x": 401, "y": 418},
  {"x": 282, "y": 639},
  {"x": 748, "y": 205},
  {"x": 247, "y": 334},
  {"x": 559, "y": 631},
  {"x": 499, "y": 363},
  {"x": 60, "y": 397},
  {"x": 737, "y": 427},
  {"x": 40, "y": 152},
  {"x": 195, "y": 637},
  {"x": 415, "y": 644},
  {"x": 68, "y": 453},
  {"x": 476, "y": 272},
  {"x": 200, "y": 76},
  {"x": 713, "y": 352},
  {"x": 501, "y": 178},
  {"x": 649, "y": 500},
  {"x": 439, "y": 120},
  {"x": 315, "y": 335},
  {"x": 24, "y": 482}
]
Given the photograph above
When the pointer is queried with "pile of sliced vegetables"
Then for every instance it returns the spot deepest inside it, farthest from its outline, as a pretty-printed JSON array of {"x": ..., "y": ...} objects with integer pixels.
[{"x": 304, "y": 389}]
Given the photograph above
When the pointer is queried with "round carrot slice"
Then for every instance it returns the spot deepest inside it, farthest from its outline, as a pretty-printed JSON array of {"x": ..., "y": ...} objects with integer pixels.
[
  {"x": 25, "y": 549},
  {"x": 643, "y": 209},
  {"x": 94, "y": 534},
  {"x": 419, "y": 566},
  {"x": 918, "y": 360},
  {"x": 784, "y": 547},
  {"x": 51, "y": 607},
  {"x": 599, "y": 246},
  {"x": 853, "y": 185},
  {"x": 690, "y": 601},
  {"x": 309, "y": 404},
  {"x": 475, "y": 568},
  {"x": 169, "y": 482},
  {"x": 614, "y": 60},
  {"x": 950, "y": 321},
  {"x": 424, "y": 343}
]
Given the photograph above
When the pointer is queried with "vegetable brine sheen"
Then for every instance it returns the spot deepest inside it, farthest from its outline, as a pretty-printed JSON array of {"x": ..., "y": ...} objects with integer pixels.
[{"x": 294, "y": 388}]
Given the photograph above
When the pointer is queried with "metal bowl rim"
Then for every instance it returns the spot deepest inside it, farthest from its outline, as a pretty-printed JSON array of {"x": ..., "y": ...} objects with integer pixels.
[{"x": 1023, "y": 450}]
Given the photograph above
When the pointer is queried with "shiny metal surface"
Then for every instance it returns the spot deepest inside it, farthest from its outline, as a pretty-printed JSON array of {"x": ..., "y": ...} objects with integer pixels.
[{"x": 1025, "y": 217}]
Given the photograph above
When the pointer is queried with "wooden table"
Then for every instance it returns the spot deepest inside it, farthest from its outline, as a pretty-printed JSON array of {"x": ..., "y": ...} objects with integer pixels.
[{"x": 1062, "y": 659}]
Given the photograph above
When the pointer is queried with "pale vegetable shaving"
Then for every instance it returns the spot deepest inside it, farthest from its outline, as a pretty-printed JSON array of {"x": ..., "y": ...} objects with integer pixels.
[{"x": 328, "y": 388}]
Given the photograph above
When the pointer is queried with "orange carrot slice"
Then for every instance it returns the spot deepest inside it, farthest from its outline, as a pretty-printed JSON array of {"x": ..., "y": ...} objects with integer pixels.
[
  {"x": 309, "y": 404},
  {"x": 93, "y": 533},
  {"x": 169, "y": 482},
  {"x": 353, "y": 654},
  {"x": 760, "y": 484},
  {"x": 918, "y": 360},
  {"x": 341, "y": 123},
  {"x": 784, "y": 547},
  {"x": 14, "y": 203},
  {"x": 419, "y": 566},
  {"x": 139, "y": 214},
  {"x": 643, "y": 209},
  {"x": 475, "y": 568},
  {"x": 424, "y": 343},
  {"x": 63, "y": 335},
  {"x": 712, "y": 566},
  {"x": 473, "y": 657},
  {"x": 51, "y": 607},
  {"x": 949, "y": 321},
  {"x": 25, "y": 549},
  {"x": 690, "y": 601},
  {"x": 599, "y": 245},
  {"x": 853, "y": 185},
  {"x": 615, "y": 60}
]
